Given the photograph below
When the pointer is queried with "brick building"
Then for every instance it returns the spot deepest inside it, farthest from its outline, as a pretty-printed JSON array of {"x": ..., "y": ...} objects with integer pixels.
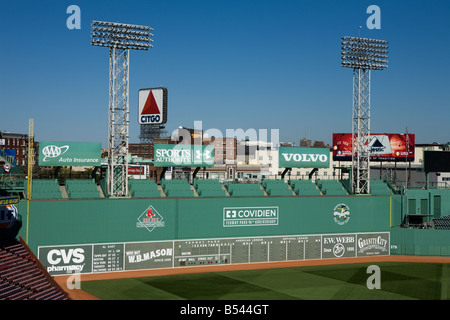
[{"x": 17, "y": 142}]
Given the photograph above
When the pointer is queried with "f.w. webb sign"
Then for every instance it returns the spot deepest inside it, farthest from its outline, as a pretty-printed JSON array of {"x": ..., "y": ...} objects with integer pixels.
[{"x": 291, "y": 157}]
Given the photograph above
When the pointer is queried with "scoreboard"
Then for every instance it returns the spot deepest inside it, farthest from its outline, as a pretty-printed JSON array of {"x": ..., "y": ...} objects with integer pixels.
[
  {"x": 246, "y": 250},
  {"x": 115, "y": 257},
  {"x": 284, "y": 248}
]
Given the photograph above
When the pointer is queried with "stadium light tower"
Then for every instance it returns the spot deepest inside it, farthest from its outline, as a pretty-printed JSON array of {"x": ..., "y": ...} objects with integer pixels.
[
  {"x": 362, "y": 55},
  {"x": 120, "y": 38}
]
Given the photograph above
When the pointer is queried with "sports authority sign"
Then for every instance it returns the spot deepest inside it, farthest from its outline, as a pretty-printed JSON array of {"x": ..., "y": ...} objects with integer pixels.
[
  {"x": 291, "y": 157},
  {"x": 153, "y": 106},
  {"x": 183, "y": 155}
]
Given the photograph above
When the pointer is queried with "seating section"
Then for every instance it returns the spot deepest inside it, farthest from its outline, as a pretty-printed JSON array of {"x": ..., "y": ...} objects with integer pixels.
[
  {"x": 304, "y": 188},
  {"x": 177, "y": 188},
  {"x": 82, "y": 189},
  {"x": 245, "y": 190},
  {"x": 87, "y": 189},
  {"x": 209, "y": 188},
  {"x": 277, "y": 188},
  {"x": 331, "y": 188},
  {"x": 143, "y": 188},
  {"x": 379, "y": 187},
  {"x": 44, "y": 189},
  {"x": 21, "y": 278}
]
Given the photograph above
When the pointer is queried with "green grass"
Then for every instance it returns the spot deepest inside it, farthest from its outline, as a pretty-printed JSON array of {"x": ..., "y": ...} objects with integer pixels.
[{"x": 399, "y": 281}]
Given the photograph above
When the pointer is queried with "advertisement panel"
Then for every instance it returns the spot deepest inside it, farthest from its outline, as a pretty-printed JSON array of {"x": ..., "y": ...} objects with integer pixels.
[
  {"x": 148, "y": 255},
  {"x": 152, "y": 106},
  {"x": 60, "y": 260},
  {"x": 436, "y": 161},
  {"x": 8, "y": 155},
  {"x": 184, "y": 155},
  {"x": 58, "y": 154},
  {"x": 250, "y": 216},
  {"x": 383, "y": 147},
  {"x": 138, "y": 172},
  {"x": 292, "y": 157}
]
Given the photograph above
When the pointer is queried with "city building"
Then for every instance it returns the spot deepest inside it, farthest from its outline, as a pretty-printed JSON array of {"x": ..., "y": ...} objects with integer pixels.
[{"x": 13, "y": 147}]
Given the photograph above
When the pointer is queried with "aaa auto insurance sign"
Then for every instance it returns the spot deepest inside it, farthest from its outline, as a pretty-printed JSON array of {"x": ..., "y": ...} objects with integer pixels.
[
  {"x": 153, "y": 106},
  {"x": 59, "y": 154},
  {"x": 291, "y": 157}
]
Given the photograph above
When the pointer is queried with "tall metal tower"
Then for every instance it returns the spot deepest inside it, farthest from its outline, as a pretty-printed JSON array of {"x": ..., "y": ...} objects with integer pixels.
[
  {"x": 120, "y": 38},
  {"x": 362, "y": 55}
]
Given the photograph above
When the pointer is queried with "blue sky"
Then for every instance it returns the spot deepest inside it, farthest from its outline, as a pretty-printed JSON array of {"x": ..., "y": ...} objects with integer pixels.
[{"x": 230, "y": 64}]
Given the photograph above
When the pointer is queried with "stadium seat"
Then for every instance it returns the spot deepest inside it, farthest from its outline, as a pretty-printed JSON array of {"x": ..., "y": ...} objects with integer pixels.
[
  {"x": 304, "y": 188},
  {"x": 82, "y": 189},
  {"x": 245, "y": 190},
  {"x": 177, "y": 188},
  {"x": 209, "y": 188},
  {"x": 277, "y": 188},
  {"x": 143, "y": 189},
  {"x": 379, "y": 187},
  {"x": 44, "y": 189},
  {"x": 331, "y": 188},
  {"x": 21, "y": 277}
]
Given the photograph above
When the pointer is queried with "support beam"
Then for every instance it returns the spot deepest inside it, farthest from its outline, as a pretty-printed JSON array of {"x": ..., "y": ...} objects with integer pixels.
[
  {"x": 312, "y": 172},
  {"x": 285, "y": 171}
]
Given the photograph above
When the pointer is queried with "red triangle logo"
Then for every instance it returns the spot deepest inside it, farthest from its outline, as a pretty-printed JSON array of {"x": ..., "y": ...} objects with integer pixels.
[{"x": 151, "y": 107}]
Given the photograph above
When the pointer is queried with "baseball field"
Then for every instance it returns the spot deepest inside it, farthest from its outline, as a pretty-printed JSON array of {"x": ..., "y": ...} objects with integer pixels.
[{"x": 425, "y": 279}]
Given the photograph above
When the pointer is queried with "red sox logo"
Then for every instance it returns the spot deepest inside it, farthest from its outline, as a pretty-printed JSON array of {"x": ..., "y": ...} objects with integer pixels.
[{"x": 150, "y": 219}]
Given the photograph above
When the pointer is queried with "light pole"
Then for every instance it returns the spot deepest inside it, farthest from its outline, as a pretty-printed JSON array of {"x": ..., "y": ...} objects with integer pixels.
[
  {"x": 362, "y": 55},
  {"x": 120, "y": 38}
]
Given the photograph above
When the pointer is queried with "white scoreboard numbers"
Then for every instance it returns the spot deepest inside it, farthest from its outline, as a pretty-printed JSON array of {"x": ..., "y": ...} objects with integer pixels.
[{"x": 153, "y": 106}]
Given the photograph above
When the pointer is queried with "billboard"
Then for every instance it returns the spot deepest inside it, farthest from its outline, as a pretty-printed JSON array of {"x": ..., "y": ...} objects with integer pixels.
[
  {"x": 292, "y": 157},
  {"x": 183, "y": 155},
  {"x": 77, "y": 154},
  {"x": 383, "y": 147},
  {"x": 8, "y": 155},
  {"x": 436, "y": 161},
  {"x": 152, "y": 106}
]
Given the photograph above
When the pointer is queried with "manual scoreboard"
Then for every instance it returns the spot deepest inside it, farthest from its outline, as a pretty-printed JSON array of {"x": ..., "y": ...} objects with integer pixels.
[
  {"x": 115, "y": 257},
  {"x": 246, "y": 250}
]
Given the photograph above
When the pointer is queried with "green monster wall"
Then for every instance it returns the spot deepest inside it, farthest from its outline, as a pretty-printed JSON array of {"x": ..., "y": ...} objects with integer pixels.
[{"x": 65, "y": 222}]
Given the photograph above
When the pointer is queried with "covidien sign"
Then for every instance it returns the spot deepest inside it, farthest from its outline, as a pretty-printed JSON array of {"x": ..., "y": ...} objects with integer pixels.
[{"x": 292, "y": 157}]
